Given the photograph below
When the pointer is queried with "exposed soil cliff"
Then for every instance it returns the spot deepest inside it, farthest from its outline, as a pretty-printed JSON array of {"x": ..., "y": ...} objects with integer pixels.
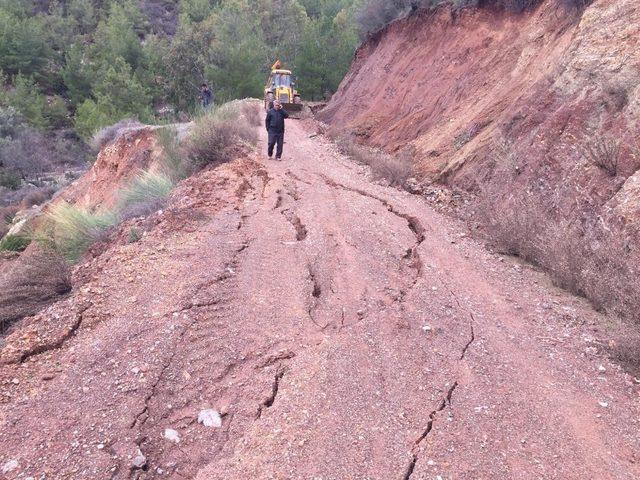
[
  {"x": 535, "y": 113},
  {"x": 132, "y": 152}
]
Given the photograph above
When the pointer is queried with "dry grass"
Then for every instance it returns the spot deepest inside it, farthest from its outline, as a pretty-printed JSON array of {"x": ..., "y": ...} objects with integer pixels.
[
  {"x": 218, "y": 135},
  {"x": 146, "y": 193},
  {"x": 72, "y": 230},
  {"x": 37, "y": 197},
  {"x": 585, "y": 254},
  {"x": 14, "y": 243},
  {"x": 603, "y": 152},
  {"x": 394, "y": 169},
  {"x": 252, "y": 112},
  {"x": 625, "y": 350},
  {"x": 7, "y": 213},
  {"x": 107, "y": 135},
  {"x": 35, "y": 279}
]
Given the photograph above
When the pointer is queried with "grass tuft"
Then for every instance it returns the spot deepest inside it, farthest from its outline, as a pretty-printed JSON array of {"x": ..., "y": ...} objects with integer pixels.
[
  {"x": 14, "y": 243},
  {"x": 74, "y": 229},
  {"x": 146, "y": 193}
]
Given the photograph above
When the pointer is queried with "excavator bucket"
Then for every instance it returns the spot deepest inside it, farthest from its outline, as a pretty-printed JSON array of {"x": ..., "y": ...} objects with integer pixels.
[{"x": 294, "y": 109}]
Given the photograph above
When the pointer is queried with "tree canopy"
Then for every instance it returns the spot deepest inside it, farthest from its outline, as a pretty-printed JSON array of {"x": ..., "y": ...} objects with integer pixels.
[{"x": 104, "y": 60}]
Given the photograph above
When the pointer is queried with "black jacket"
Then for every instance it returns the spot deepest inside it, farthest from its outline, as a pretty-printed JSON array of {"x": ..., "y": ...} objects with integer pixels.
[{"x": 274, "y": 122}]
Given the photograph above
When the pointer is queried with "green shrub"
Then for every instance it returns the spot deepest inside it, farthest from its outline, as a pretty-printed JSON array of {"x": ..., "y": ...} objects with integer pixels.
[
  {"x": 72, "y": 229},
  {"x": 56, "y": 113},
  {"x": 10, "y": 179},
  {"x": 89, "y": 119},
  {"x": 28, "y": 100},
  {"x": 14, "y": 243}
]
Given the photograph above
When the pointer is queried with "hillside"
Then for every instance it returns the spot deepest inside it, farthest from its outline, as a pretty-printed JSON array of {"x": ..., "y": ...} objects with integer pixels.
[
  {"x": 189, "y": 308},
  {"x": 295, "y": 320},
  {"x": 535, "y": 114}
]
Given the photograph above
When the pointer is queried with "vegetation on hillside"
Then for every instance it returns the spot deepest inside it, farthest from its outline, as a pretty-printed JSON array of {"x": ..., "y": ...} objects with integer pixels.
[
  {"x": 91, "y": 63},
  {"x": 219, "y": 135},
  {"x": 68, "y": 68}
]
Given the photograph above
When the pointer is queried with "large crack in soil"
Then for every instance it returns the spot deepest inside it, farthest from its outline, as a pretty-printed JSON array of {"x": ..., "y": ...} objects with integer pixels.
[
  {"x": 316, "y": 294},
  {"x": 269, "y": 401},
  {"x": 446, "y": 400},
  {"x": 59, "y": 343},
  {"x": 228, "y": 270},
  {"x": 294, "y": 220},
  {"x": 416, "y": 227}
]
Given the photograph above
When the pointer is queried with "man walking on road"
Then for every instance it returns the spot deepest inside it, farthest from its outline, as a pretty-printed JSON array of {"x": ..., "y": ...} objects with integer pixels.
[{"x": 275, "y": 127}]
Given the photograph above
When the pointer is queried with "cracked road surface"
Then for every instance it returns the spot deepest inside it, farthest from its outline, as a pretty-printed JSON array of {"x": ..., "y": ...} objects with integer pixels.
[{"x": 342, "y": 329}]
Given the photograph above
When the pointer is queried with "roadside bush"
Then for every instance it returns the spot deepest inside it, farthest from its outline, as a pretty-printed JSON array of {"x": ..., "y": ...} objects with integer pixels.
[
  {"x": 625, "y": 349},
  {"x": 134, "y": 235},
  {"x": 72, "y": 229},
  {"x": 14, "y": 243},
  {"x": 252, "y": 113},
  {"x": 217, "y": 136},
  {"x": 395, "y": 169},
  {"x": 173, "y": 163},
  {"x": 6, "y": 217},
  {"x": 7, "y": 214}
]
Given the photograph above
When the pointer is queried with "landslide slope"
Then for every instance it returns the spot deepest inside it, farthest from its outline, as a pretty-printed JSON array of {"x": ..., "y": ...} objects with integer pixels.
[
  {"x": 338, "y": 328},
  {"x": 535, "y": 113}
]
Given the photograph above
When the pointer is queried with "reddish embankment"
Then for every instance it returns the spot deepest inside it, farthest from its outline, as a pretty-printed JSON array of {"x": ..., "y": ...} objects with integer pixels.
[
  {"x": 530, "y": 112},
  {"x": 134, "y": 151}
]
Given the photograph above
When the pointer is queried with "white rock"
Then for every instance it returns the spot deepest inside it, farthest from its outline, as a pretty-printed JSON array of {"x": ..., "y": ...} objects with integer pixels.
[
  {"x": 603, "y": 404},
  {"x": 171, "y": 435},
  {"x": 426, "y": 328},
  {"x": 139, "y": 461},
  {"x": 602, "y": 369},
  {"x": 210, "y": 418},
  {"x": 10, "y": 466}
]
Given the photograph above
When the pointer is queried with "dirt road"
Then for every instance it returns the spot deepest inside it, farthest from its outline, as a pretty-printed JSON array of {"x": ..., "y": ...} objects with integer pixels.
[{"x": 341, "y": 329}]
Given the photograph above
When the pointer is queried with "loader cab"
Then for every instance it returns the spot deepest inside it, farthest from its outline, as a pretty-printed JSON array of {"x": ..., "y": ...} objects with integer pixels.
[{"x": 281, "y": 80}]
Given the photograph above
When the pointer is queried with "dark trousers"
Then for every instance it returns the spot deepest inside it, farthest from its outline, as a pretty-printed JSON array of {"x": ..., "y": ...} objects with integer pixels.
[{"x": 275, "y": 138}]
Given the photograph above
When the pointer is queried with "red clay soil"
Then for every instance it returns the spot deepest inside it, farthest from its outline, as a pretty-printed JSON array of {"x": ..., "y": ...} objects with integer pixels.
[
  {"x": 507, "y": 107},
  {"x": 340, "y": 329},
  {"x": 132, "y": 152}
]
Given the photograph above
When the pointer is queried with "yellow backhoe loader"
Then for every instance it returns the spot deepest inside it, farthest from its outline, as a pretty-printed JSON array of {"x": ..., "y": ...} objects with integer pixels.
[{"x": 280, "y": 85}]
